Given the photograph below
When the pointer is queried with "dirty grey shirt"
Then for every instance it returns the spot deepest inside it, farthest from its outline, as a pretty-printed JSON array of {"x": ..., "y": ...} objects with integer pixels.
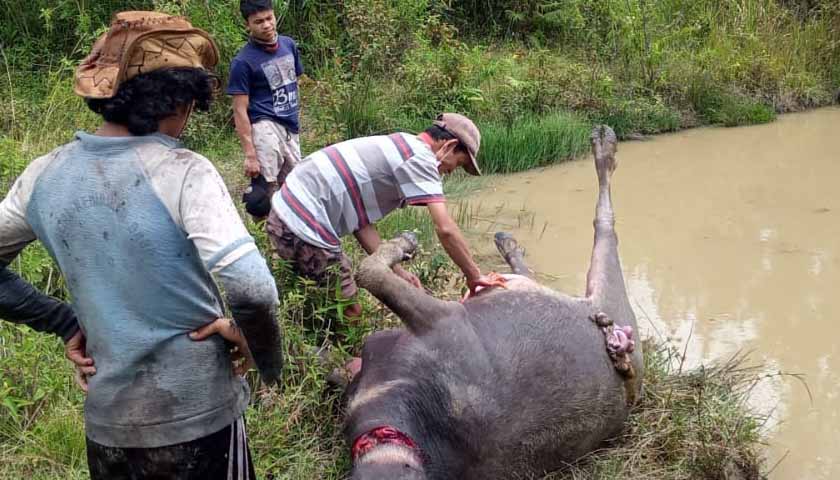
[{"x": 137, "y": 225}]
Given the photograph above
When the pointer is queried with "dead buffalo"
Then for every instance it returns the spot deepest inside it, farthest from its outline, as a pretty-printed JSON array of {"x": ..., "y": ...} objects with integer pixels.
[{"x": 512, "y": 383}]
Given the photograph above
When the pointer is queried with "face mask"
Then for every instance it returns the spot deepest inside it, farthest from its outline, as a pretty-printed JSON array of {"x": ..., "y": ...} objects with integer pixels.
[{"x": 444, "y": 156}]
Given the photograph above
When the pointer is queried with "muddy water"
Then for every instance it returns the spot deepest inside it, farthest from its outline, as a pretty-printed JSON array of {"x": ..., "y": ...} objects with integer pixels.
[{"x": 730, "y": 241}]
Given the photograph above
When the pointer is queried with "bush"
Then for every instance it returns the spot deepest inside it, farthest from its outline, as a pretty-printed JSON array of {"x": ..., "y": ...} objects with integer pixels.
[
  {"x": 58, "y": 27},
  {"x": 381, "y": 31},
  {"x": 716, "y": 107},
  {"x": 433, "y": 78},
  {"x": 639, "y": 115}
]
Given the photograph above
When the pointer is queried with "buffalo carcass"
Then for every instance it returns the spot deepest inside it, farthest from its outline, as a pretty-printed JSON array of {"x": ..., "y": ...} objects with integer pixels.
[{"x": 511, "y": 383}]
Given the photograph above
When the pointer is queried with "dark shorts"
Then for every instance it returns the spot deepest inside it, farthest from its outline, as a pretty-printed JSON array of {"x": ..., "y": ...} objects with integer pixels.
[
  {"x": 208, "y": 458},
  {"x": 309, "y": 261}
]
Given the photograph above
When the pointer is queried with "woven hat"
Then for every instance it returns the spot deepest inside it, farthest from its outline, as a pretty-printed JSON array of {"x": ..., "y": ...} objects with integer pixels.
[
  {"x": 141, "y": 42},
  {"x": 467, "y": 134}
]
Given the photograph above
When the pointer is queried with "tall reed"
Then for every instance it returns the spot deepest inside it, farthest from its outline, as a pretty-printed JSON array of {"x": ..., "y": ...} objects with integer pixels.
[{"x": 532, "y": 142}]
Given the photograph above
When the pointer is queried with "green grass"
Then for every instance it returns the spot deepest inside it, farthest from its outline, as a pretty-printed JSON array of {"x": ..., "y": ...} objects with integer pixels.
[
  {"x": 525, "y": 143},
  {"x": 687, "y": 425}
]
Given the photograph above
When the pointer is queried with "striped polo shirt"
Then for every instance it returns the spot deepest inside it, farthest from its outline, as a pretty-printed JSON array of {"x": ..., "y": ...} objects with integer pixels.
[{"x": 345, "y": 187}]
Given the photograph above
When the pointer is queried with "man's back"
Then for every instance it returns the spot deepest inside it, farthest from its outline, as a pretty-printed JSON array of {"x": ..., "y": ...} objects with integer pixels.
[
  {"x": 119, "y": 216},
  {"x": 344, "y": 187}
]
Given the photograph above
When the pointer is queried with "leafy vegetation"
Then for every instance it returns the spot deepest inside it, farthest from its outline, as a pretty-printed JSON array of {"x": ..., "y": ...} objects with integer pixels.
[{"x": 534, "y": 74}]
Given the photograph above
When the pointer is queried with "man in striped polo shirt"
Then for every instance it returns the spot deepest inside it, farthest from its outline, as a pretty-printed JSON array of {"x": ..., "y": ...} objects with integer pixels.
[{"x": 347, "y": 187}]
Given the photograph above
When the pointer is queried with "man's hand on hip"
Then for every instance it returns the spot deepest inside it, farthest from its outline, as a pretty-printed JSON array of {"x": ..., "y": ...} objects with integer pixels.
[
  {"x": 241, "y": 358},
  {"x": 76, "y": 351}
]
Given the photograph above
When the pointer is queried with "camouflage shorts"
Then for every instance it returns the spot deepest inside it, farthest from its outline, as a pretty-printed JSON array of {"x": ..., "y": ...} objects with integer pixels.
[
  {"x": 308, "y": 260},
  {"x": 278, "y": 150}
]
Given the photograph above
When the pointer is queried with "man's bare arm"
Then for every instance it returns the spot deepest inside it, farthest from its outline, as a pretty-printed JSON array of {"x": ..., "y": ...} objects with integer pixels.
[
  {"x": 456, "y": 246},
  {"x": 453, "y": 241},
  {"x": 245, "y": 133},
  {"x": 368, "y": 237}
]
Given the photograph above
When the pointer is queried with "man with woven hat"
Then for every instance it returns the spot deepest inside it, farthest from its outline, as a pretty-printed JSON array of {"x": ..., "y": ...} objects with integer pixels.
[
  {"x": 346, "y": 188},
  {"x": 139, "y": 225},
  {"x": 264, "y": 86}
]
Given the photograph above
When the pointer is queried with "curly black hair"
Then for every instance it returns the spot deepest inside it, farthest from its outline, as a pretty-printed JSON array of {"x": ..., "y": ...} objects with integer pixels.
[{"x": 145, "y": 100}]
